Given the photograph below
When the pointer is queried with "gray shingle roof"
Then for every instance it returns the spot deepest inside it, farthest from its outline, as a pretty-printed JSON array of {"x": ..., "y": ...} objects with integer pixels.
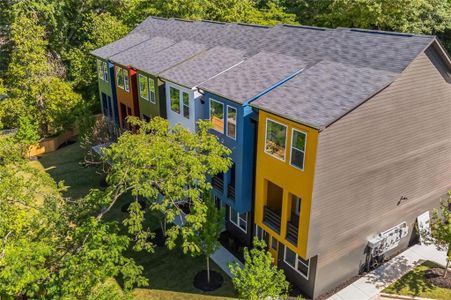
[
  {"x": 120, "y": 45},
  {"x": 204, "y": 66},
  {"x": 343, "y": 66},
  {"x": 253, "y": 76},
  {"x": 155, "y": 62},
  {"x": 142, "y": 52},
  {"x": 324, "y": 92}
]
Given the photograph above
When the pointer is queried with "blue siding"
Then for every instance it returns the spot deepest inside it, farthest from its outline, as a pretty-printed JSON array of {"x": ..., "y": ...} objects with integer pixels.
[{"x": 243, "y": 149}]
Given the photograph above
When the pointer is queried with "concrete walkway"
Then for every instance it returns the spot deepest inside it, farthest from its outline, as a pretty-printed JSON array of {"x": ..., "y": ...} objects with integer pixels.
[
  {"x": 222, "y": 257},
  {"x": 369, "y": 286}
]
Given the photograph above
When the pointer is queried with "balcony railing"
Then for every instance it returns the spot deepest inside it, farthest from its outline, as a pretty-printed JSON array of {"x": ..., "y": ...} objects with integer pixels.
[
  {"x": 271, "y": 219},
  {"x": 292, "y": 233},
  {"x": 231, "y": 192},
  {"x": 218, "y": 184}
]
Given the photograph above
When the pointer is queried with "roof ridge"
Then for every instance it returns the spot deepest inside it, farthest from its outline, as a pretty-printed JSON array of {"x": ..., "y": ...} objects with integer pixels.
[
  {"x": 214, "y": 22},
  {"x": 252, "y": 25},
  {"x": 159, "y": 18},
  {"x": 384, "y": 32},
  {"x": 305, "y": 27},
  {"x": 183, "y": 20}
]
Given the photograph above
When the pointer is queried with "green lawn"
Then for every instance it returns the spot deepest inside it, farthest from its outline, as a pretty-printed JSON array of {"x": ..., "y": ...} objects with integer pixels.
[
  {"x": 170, "y": 272},
  {"x": 414, "y": 284}
]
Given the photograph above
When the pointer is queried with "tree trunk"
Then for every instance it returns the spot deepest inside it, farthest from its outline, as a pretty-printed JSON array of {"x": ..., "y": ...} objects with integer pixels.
[
  {"x": 208, "y": 269},
  {"x": 446, "y": 268}
]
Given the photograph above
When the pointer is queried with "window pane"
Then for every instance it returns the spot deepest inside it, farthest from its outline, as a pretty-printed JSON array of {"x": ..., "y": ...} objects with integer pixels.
[
  {"x": 105, "y": 71},
  {"x": 175, "y": 99},
  {"x": 152, "y": 90},
  {"x": 243, "y": 221},
  {"x": 231, "y": 122},
  {"x": 274, "y": 243},
  {"x": 119, "y": 78},
  {"x": 303, "y": 266},
  {"x": 290, "y": 257},
  {"x": 99, "y": 69},
  {"x": 125, "y": 72},
  {"x": 297, "y": 158},
  {"x": 298, "y": 140},
  {"x": 143, "y": 87},
  {"x": 217, "y": 115},
  {"x": 233, "y": 216},
  {"x": 275, "y": 139},
  {"x": 185, "y": 97}
]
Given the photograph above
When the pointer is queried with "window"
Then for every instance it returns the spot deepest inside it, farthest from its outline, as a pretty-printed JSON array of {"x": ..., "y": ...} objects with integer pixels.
[
  {"x": 217, "y": 115},
  {"x": 143, "y": 87},
  {"x": 175, "y": 99},
  {"x": 185, "y": 98},
  {"x": 298, "y": 141},
  {"x": 260, "y": 233},
  {"x": 231, "y": 122},
  {"x": 152, "y": 90},
  {"x": 125, "y": 74},
  {"x": 119, "y": 78},
  {"x": 273, "y": 243},
  {"x": 99, "y": 69},
  {"x": 296, "y": 205},
  {"x": 105, "y": 71},
  {"x": 296, "y": 262},
  {"x": 276, "y": 135},
  {"x": 240, "y": 220}
]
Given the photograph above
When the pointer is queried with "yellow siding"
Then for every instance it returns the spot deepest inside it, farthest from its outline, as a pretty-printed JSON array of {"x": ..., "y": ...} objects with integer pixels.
[{"x": 292, "y": 180}]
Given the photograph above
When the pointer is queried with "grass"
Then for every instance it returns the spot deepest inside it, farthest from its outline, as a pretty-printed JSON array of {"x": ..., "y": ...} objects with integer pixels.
[
  {"x": 414, "y": 284},
  {"x": 170, "y": 272}
]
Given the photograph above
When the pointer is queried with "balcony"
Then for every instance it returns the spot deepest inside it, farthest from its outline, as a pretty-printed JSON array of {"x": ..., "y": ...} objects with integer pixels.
[
  {"x": 271, "y": 219},
  {"x": 218, "y": 184},
  {"x": 231, "y": 192},
  {"x": 292, "y": 231}
]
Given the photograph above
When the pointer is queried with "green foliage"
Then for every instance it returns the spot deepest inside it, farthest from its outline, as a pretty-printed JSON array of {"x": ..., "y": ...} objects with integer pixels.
[
  {"x": 53, "y": 247},
  {"x": 259, "y": 279},
  {"x": 441, "y": 227},
  {"x": 169, "y": 167}
]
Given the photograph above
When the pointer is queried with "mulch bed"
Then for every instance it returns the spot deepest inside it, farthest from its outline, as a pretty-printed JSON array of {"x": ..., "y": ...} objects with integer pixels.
[
  {"x": 435, "y": 276},
  {"x": 200, "y": 281}
]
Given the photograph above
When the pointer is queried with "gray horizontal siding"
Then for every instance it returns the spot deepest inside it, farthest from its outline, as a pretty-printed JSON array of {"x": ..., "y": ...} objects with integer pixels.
[{"x": 396, "y": 144}]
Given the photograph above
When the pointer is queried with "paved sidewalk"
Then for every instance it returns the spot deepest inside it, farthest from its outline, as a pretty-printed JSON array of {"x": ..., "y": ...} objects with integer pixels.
[
  {"x": 222, "y": 257},
  {"x": 369, "y": 286}
]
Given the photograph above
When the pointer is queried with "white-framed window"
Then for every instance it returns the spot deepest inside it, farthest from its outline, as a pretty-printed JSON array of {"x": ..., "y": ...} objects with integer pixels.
[
  {"x": 152, "y": 90},
  {"x": 100, "y": 69},
  {"x": 240, "y": 220},
  {"x": 231, "y": 122},
  {"x": 298, "y": 142},
  {"x": 217, "y": 115},
  {"x": 105, "y": 71},
  {"x": 143, "y": 87},
  {"x": 260, "y": 233},
  {"x": 185, "y": 101},
  {"x": 275, "y": 139},
  {"x": 126, "y": 84},
  {"x": 296, "y": 205},
  {"x": 174, "y": 95},
  {"x": 297, "y": 263},
  {"x": 119, "y": 77}
]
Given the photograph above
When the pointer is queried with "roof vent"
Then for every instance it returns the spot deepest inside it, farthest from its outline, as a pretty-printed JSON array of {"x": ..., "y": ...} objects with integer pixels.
[
  {"x": 213, "y": 22},
  {"x": 382, "y": 32},
  {"x": 183, "y": 20},
  {"x": 305, "y": 27},
  {"x": 252, "y": 25},
  {"x": 160, "y": 18}
]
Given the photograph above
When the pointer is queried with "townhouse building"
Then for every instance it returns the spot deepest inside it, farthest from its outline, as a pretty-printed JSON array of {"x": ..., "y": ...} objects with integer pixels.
[{"x": 340, "y": 138}]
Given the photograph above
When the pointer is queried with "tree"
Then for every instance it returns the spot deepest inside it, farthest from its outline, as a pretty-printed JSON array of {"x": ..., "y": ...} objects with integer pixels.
[
  {"x": 208, "y": 237},
  {"x": 259, "y": 279},
  {"x": 441, "y": 229},
  {"x": 169, "y": 167},
  {"x": 53, "y": 247}
]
